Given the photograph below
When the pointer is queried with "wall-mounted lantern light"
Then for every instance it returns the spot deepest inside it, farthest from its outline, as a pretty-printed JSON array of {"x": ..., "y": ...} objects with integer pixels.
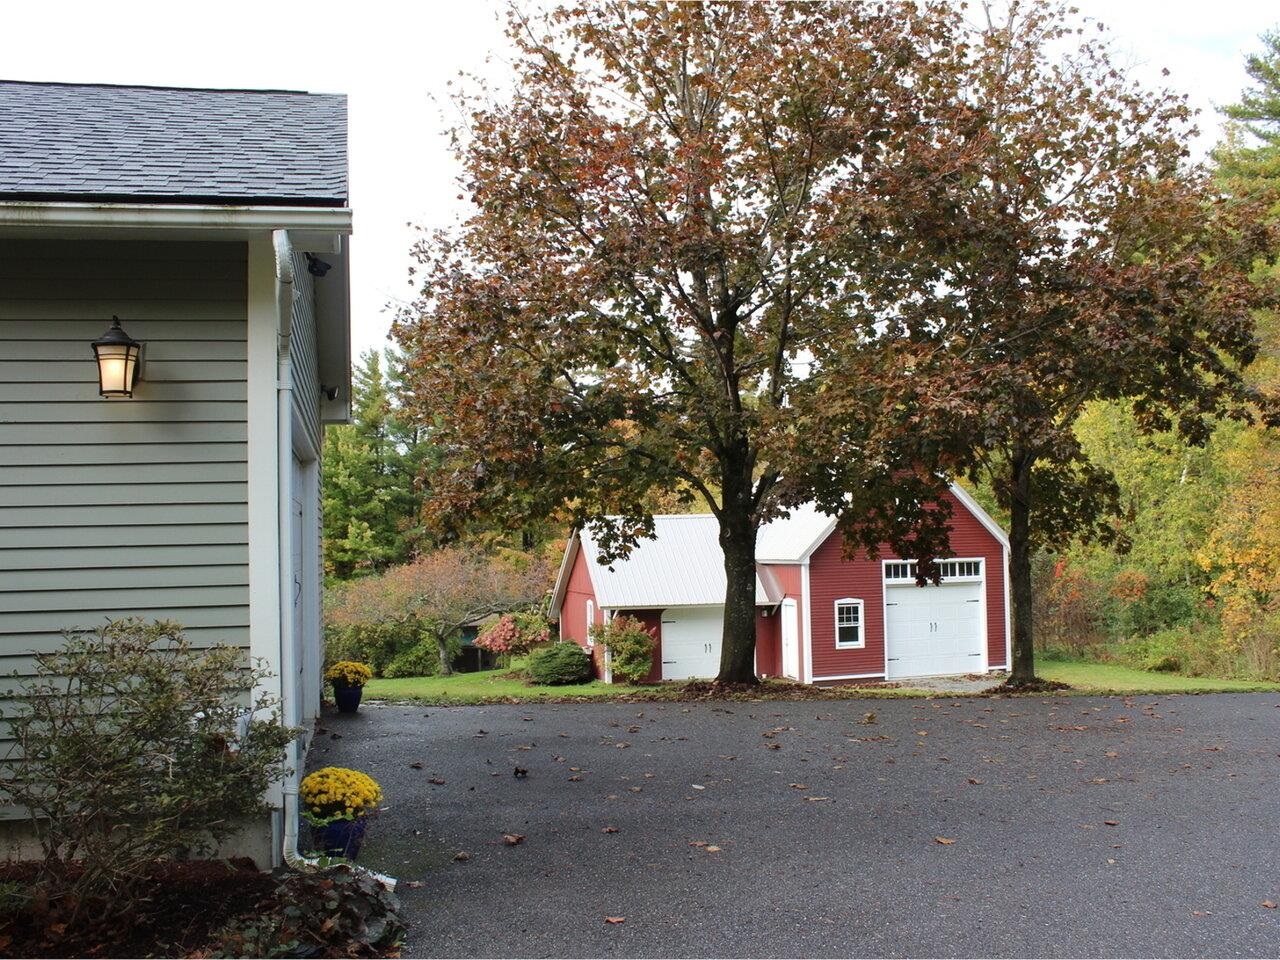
[{"x": 117, "y": 354}]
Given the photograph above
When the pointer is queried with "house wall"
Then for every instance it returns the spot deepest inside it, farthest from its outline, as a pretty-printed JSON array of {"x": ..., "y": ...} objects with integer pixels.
[
  {"x": 573, "y": 611},
  {"x": 769, "y": 630},
  {"x": 118, "y": 507},
  {"x": 831, "y": 578},
  {"x": 652, "y": 621}
]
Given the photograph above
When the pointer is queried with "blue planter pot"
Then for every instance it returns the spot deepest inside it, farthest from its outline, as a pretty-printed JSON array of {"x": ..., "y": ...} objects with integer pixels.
[
  {"x": 341, "y": 838},
  {"x": 347, "y": 698}
]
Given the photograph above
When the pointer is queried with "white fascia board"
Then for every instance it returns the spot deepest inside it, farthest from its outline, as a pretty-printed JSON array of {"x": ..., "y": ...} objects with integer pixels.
[
  {"x": 562, "y": 577},
  {"x": 314, "y": 226},
  {"x": 984, "y": 518}
]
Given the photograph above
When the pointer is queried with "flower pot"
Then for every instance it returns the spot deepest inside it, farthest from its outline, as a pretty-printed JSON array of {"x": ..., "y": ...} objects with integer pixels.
[
  {"x": 342, "y": 837},
  {"x": 347, "y": 697}
]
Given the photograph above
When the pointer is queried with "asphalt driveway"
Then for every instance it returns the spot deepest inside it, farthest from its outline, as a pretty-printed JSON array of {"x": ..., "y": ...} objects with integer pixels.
[{"x": 1008, "y": 827}]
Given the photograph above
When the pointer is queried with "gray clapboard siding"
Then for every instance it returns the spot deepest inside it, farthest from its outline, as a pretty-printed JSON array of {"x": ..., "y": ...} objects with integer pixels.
[
  {"x": 157, "y": 351},
  {"x": 122, "y": 507},
  {"x": 76, "y": 515},
  {"x": 107, "y": 473},
  {"x": 72, "y": 369},
  {"x": 92, "y": 452},
  {"x": 305, "y": 372},
  {"x": 99, "y": 537},
  {"x": 191, "y": 557},
  {"x": 149, "y": 331}
]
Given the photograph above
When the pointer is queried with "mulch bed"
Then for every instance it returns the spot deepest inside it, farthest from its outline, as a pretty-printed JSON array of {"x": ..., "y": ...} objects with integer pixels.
[{"x": 187, "y": 903}]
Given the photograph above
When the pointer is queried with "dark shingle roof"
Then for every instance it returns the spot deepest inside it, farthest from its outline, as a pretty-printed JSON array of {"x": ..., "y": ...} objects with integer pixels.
[{"x": 103, "y": 143}]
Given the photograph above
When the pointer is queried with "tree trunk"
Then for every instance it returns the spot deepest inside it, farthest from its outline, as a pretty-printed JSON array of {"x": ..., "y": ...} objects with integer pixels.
[
  {"x": 446, "y": 662},
  {"x": 1023, "y": 666},
  {"x": 738, "y": 540}
]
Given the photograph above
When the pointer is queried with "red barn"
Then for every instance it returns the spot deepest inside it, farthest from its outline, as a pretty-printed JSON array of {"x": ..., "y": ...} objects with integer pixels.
[{"x": 820, "y": 618}]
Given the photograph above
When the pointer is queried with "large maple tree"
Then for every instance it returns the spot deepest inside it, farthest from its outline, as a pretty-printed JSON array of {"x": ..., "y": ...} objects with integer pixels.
[{"x": 697, "y": 233}]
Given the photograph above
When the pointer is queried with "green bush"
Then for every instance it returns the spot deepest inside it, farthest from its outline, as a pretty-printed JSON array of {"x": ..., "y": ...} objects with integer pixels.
[
  {"x": 137, "y": 747},
  {"x": 630, "y": 647},
  {"x": 392, "y": 648},
  {"x": 422, "y": 659},
  {"x": 1194, "y": 649},
  {"x": 559, "y": 664}
]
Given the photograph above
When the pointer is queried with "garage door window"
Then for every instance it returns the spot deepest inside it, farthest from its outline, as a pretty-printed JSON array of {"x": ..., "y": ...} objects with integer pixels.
[{"x": 849, "y": 624}]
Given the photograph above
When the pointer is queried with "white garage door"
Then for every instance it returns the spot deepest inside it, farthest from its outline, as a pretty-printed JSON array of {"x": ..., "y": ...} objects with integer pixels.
[
  {"x": 933, "y": 630},
  {"x": 691, "y": 642}
]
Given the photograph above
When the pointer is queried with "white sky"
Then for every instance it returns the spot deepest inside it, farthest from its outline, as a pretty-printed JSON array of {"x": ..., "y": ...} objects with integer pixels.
[{"x": 394, "y": 60}]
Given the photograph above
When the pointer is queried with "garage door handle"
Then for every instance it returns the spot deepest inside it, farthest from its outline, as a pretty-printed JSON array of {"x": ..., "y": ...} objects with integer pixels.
[
  {"x": 975, "y": 654},
  {"x": 973, "y": 601},
  {"x": 668, "y": 661},
  {"x": 893, "y": 658}
]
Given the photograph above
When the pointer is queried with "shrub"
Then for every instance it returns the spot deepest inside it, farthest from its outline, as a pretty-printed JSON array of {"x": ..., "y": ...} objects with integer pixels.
[
  {"x": 338, "y": 912},
  {"x": 630, "y": 647},
  {"x": 515, "y": 634},
  {"x": 135, "y": 747},
  {"x": 422, "y": 659},
  {"x": 350, "y": 673},
  {"x": 1195, "y": 649},
  {"x": 559, "y": 664}
]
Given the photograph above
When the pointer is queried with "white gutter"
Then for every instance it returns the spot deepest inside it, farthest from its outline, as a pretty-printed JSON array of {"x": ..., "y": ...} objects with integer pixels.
[
  {"x": 289, "y": 706},
  {"x": 199, "y": 218}
]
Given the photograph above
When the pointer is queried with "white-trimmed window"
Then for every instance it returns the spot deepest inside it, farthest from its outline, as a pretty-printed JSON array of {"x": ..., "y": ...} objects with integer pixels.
[
  {"x": 849, "y": 625},
  {"x": 591, "y": 622},
  {"x": 949, "y": 569}
]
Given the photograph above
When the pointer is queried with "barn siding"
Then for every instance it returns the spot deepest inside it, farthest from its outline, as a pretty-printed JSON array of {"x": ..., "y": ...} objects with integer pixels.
[
  {"x": 121, "y": 507},
  {"x": 789, "y": 577},
  {"x": 651, "y": 620},
  {"x": 831, "y": 578},
  {"x": 573, "y": 610}
]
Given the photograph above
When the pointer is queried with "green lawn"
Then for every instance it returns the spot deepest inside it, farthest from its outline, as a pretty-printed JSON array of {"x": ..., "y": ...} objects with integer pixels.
[
  {"x": 488, "y": 686},
  {"x": 1091, "y": 677}
]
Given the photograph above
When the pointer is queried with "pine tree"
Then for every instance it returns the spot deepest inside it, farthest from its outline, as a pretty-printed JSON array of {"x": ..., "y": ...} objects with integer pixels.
[{"x": 372, "y": 501}]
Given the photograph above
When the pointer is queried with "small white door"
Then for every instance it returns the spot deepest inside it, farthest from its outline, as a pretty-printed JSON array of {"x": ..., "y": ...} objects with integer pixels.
[
  {"x": 790, "y": 640},
  {"x": 691, "y": 642},
  {"x": 933, "y": 630}
]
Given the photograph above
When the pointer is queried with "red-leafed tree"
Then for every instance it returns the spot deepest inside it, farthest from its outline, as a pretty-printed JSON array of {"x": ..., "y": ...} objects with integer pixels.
[
  {"x": 1099, "y": 265},
  {"x": 692, "y": 265}
]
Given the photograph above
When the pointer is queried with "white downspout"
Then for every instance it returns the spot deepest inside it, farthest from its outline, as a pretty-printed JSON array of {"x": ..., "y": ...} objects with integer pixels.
[
  {"x": 289, "y": 705},
  {"x": 284, "y": 512}
]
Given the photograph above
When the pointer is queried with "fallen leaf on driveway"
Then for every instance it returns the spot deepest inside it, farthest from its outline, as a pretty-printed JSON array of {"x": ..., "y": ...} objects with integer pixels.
[
  {"x": 1202, "y": 913},
  {"x": 513, "y": 839},
  {"x": 868, "y": 717},
  {"x": 461, "y": 855},
  {"x": 416, "y": 765},
  {"x": 615, "y": 919},
  {"x": 799, "y": 786},
  {"x": 635, "y": 789},
  {"x": 1112, "y": 823},
  {"x": 817, "y": 799},
  {"x": 945, "y": 841},
  {"x": 697, "y": 843},
  {"x": 975, "y": 781},
  {"x": 574, "y": 778},
  {"x": 1269, "y": 904},
  {"x": 622, "y": 744},
  {"x": 439, "y": 783},
  {"x": 609, "y": 830},
  {"x": 414, "y": 884},
  {"x": 711, "y": 848},
  {"x": 698, "y": 786},
  {"x": 520, "y": 773},
  {"x": 1111, "y": 754},
  {"x": 774, "y": 746}
]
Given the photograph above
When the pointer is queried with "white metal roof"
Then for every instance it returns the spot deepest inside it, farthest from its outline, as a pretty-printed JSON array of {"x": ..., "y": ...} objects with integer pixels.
[{"x": 681, "y": 566}]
